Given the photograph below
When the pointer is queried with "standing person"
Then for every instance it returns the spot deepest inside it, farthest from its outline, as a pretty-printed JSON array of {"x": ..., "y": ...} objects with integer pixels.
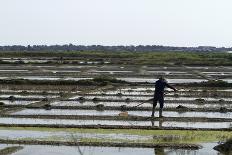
[{"x": 159, "y": 94}]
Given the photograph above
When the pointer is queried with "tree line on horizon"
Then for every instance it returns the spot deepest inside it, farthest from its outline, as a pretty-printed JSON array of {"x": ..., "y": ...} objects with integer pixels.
[{"x": 139, "y": 48}]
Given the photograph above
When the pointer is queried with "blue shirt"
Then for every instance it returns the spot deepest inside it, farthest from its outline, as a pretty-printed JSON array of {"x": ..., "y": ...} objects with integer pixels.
[{"x": 159, "y": 86}]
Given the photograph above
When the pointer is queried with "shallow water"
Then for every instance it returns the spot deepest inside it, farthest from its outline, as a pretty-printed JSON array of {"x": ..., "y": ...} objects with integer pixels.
[
  {"x": 29, "y": 96},
  {"x": 215, "y": 125},
  {"x": 90, "y": 103},
  {"x": 227, "y": 80},
  {"x": 147, "y": 97},
  {"x": 37, "y": 78},
  {"x": 77, "y": 79},
  {"x": 111, "y": 72},
  {"x": 2, "y": 146},
  {"x": 115, "y": 112},
  {"x": 7, "y": 102},
  {"x": 89, "y": 150},
  {"x": 169, "y": 80},
  {"x": 67, "y": 135},
  {"x": 33, "y": 91},
  {"x": 133, "y": 104},
  {"x": 13, "y": 70},
  {"x": 64, "y": 71}
]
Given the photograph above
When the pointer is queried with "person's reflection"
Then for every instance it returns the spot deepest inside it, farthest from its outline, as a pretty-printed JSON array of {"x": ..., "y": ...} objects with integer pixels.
[
  {"x": 152, "y": 123},
  {"x": 159, "y": 151},
  {"x": 160, "y": 123}
]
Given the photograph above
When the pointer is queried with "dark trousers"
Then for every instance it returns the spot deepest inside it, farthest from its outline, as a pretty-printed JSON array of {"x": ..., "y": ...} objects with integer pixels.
[{"x": 158, "y": 98}]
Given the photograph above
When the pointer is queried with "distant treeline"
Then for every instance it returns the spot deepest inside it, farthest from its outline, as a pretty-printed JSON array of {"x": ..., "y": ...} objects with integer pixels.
[{"x": 140, "y": 48}]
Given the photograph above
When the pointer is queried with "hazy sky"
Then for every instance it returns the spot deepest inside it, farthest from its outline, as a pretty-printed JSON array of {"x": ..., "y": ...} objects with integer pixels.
[{"x": 116, "y": 22}]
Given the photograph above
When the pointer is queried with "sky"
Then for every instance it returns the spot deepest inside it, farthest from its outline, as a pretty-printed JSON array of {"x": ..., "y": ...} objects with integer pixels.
[{"x": 116, "y": 22}]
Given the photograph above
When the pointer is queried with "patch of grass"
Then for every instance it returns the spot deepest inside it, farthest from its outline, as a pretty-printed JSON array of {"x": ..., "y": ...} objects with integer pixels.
[
  {"x": 98, "y": 81},
  {"x": 173, "y": 136},
  {"x": 215, "y": 83},
  {"x": 10, "y": 150},
  {"x": 138, "y": 57}
]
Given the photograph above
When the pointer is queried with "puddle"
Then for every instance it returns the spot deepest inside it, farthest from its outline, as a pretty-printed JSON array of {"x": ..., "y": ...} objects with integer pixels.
[
  {"x": 147, "y": 97},
  {"x": 206, "y": 150},
  {"x": 65, "y": 71},
  {"x": 226, "y": 90},
  {"x": 227, "y": 80},
  {"x": 2, "y": 78},
  {"x": 111, "y": 72},
  {"x": 133, "y": 104},
  {"x": 65, "y": 112},
  {"x": 13, "y": 70},
  {"x": 149, "y": 91},
  {"x": 77, "y": 79},
  {"x": 67, "y": 136},
  {"x": 169, "y": 80},
  {"x": 82, "y": 150},
  {"x": 123, "y": 93},
  {"x": 90, "y": 150},
  {"x": 71, "y": 67},
  {"x": 191, "y": 105},
  {"x": 139, "y": 80},
  {"x": 214, "y": 125},
  {"x": 7, "y": 102},
  {"x": 35, "y": 91},
  {"x": 38, "y": 78},
  {"x": 125, "y": 79},
  {"x": 124, "y": 97},
  {"x": 2, "y": 146},
  {"x": 27, "y": 61},
  {"x": 197, "y": 67},
  {"x": 166, "y": 72},
  {"x": 194, "y": 98},
  {"x": 116, "y": 112},
  {"x": 29, "y": 96},
  {"x": 90, "y": 103},
  {"x": 10, "y": 120}
]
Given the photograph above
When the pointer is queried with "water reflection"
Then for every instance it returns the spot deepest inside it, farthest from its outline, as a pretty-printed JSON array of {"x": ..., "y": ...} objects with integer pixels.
[
  {"x": 160, "y": 121},
  {"x": 159, "y": 151}
]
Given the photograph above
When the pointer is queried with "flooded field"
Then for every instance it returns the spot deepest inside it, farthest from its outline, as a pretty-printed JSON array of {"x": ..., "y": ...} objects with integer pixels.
[
  {"x": 37, "y": 98},
  {"x": 62, "y": 150},
  {"x": 116, "y": 113},
  {"x": 184, "y": 124}
]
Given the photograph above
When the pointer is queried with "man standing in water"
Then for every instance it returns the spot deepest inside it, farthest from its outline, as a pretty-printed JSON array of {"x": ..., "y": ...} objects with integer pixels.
[{"x": 159, "y": 94}]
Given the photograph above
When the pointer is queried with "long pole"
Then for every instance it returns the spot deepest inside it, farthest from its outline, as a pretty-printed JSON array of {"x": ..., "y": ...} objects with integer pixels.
[{"x": 143, "y": 102}]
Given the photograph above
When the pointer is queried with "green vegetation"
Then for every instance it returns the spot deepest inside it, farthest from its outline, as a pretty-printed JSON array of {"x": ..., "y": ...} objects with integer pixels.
[
  {"x": 102, "y": 81},
  {"x": 212, "y": 83},
  {"x": 164, "y": 58},
  {"x": 216, "y": 83},
  {"x": 10, "y": 150},
  {"x": 159, "y": 136},
  {"x": 98, "y": 81}
]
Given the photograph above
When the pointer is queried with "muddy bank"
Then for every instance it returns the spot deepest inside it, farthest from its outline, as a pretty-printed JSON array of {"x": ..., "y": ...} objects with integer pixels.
[
  {"x": 113, "y": 127},
  {"x": 127, "y": 108},
  {"x": 10, "y": 150},
  {"x": 132, "y": 118},
  {"x": 103, "y": 144},
  {"x": 225, "y": 148}
]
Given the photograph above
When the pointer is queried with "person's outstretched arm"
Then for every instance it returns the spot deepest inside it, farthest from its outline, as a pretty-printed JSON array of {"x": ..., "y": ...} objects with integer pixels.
[{"x": 169, "y": 86}]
